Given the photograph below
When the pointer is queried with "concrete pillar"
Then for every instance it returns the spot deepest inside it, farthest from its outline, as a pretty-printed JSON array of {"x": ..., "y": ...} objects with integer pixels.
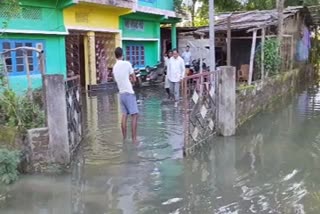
[
  {"x": 173, "y": 36},
  {"x": 118, "y": 39},
  {"x": 86, "y": 61},
  {"x": 227, "y": 101},
  {"x": 91, "y": 55},
  {"x": 159, "y": 43},
  {"x": 56, "y": 109}
]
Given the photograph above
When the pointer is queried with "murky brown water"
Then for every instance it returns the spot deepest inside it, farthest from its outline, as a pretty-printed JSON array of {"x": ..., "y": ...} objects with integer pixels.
[{"x": 271, "y": 166}]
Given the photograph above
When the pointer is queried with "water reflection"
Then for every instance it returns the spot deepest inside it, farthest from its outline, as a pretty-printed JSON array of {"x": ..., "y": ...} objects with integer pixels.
[{"x": 271, "y": 166}]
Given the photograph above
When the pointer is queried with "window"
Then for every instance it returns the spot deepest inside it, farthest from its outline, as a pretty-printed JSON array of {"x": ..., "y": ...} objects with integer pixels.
[
  {"x": 134, "y": 25},
  {"x": 15, "y": 60},
  {"x": 31, "y": 13},
  {"x": 135, "y": 54}
]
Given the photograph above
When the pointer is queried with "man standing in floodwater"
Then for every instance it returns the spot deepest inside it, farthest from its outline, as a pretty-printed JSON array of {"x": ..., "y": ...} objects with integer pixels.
[
  {"x": 166, "y": 81},
  {"x": 176, "y": 72},
  {"x": 123, "y": 75}
]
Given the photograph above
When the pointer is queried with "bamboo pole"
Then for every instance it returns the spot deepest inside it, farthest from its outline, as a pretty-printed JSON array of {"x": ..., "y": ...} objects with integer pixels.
[
  {"x": 280, "y": 8},
  {"x": 26, "y": 63},
  {"x": 23, "y": 49},
  {"x": 253, "y": 48},
  {"x": 262, "y": 51},
  {"x": 212, "y": 36},
  {"x": 292, "y": 53},
  {"x": 229, "y": 42},
  {"x": 201, "y": 67},
  {"x": 260, "y": 37},
  {"x": 42, "y": 63}
]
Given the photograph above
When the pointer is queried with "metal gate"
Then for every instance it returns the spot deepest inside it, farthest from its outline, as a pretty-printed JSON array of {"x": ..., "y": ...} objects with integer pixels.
[
  {"x": 104, "y": 44},
  {"x": 73, "y": 53},
  {"x": 200, "y": 110},
  {"x": 74, "y": 112}
]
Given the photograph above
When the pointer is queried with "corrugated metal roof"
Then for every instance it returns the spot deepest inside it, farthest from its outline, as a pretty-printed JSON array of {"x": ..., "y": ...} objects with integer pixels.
[{"x": 250, "y": 19}]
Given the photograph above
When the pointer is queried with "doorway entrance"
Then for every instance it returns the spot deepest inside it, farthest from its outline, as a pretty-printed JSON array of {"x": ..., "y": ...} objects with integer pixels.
[{"x": 75, "y": 55}]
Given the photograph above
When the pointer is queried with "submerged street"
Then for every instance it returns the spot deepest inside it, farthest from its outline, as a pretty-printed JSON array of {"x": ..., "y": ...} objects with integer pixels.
[{"x": 270, "y": 166}]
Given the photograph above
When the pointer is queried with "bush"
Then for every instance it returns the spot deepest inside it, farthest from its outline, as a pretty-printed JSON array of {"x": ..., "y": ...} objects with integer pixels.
[
  {"x": 9, "y": 161},
  {"x": 20, "y": 112},
  {"x": 272, "y": 58}
]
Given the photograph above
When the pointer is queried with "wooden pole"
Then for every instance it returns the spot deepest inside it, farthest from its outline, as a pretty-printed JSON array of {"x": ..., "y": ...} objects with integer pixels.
[
  {"x": 229, "y": 42},
  {"x": 201, "y": 67},
  {"x": 263, "y": 40},
  {"x": 42, "y": 62},
  {"x": 280, "y": 8},
  {"x": 253, "y": 49},
  {"x": 259, "y": 37},
  {"x": 292, "y": 53},
  {"x": 26, "y": 63},
  {"x": 317, "y": 46},
  {"x": 212, "y": 36}
]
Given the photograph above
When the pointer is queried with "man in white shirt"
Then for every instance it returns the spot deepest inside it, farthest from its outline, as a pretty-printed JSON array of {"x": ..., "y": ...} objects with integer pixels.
[
  {"x": 123, "y": 73},
  {"x": 166, "y": 81},
  {"x": 186, "y": 55},
  {"x": 176, "y": 72}
]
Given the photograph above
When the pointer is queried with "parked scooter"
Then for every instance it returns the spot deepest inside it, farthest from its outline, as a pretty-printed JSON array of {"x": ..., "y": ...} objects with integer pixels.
[{"x": 154, "y": 73}]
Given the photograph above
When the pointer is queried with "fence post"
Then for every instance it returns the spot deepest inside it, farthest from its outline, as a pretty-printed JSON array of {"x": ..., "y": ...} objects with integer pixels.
[
  {"x": 56, "y": 109},
  {"x": 227, "y": 101}
]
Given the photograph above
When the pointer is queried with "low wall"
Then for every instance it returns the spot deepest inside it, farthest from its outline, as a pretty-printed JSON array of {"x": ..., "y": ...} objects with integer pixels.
[
  {"x": 39, "y": 150},
  {"x": 252, "y": 99}
]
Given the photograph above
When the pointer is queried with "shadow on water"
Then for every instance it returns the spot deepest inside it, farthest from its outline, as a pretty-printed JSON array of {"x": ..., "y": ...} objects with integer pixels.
[{"x": 271, "y": 166}]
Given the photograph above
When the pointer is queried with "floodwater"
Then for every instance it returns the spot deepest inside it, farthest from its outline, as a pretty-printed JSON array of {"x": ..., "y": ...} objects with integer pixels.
[{"x": 271, "y": 166}]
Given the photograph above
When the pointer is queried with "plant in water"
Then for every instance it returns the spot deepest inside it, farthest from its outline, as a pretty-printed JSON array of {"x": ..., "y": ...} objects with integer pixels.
[
  {"x": 9, "y": 161},
  {"x": 19, "y": 111},
  {"x": 272, "y": 58}
]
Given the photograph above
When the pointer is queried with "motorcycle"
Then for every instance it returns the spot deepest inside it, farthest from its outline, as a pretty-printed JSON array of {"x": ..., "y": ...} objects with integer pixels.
[
  {"x": 195, "y": 67},
  {"x": 147, "y": 75},
  {"x": 153, "y": 73}
]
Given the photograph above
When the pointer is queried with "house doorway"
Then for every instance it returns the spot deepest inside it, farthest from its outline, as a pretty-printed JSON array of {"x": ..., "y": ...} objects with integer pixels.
[
  {"x": 105, "y": 43},
  {"x": 76, "y": 56}
]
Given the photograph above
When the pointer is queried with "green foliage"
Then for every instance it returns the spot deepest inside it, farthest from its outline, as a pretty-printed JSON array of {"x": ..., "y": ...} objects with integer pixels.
[
  {"x": 202, "y": 18},
  {"x": 261, "y": 4},
  {"x": 272, "y": 59},
  {"x": 19, "y": 111},
  {"x": 9, "y": 161},
  {"x": 179, "y": 7}
]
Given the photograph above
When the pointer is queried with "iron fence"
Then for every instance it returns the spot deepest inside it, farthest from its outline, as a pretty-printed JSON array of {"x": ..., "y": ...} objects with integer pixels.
[
  {"x": 74, "y": 112},
  {"x": 199, "y": 102}
]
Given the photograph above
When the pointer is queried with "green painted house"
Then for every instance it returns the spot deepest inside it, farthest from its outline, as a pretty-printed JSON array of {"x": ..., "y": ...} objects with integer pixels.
[
  {"x": 141, "y": 37},
  {"x": 37, "y": 24}
]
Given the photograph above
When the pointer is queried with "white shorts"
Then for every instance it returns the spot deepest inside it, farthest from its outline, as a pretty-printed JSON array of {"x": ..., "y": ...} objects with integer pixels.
[{"x": 166, "y": 82}]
